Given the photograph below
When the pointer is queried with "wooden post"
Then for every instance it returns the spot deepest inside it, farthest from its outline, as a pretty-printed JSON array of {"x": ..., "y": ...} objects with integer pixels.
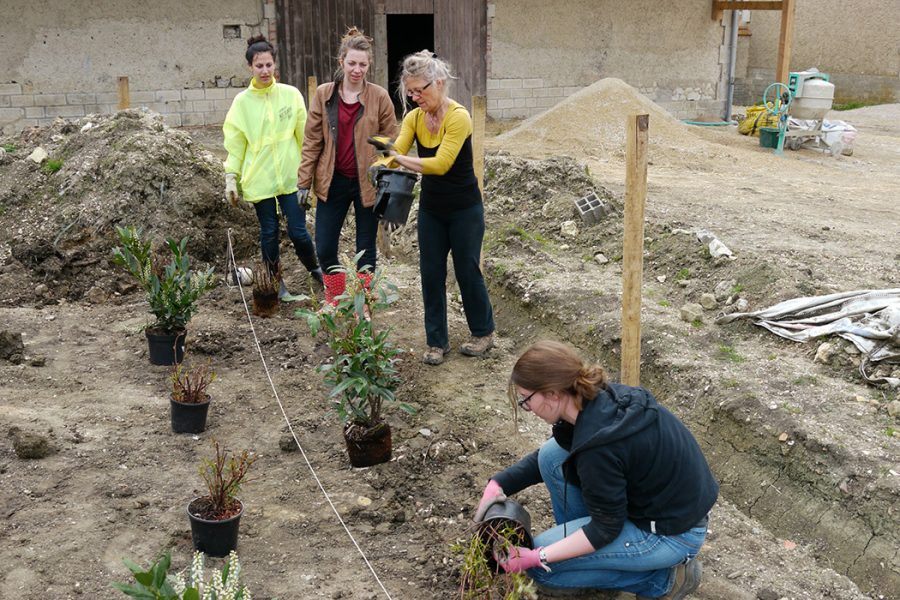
[
  {"x": 311, "y": 85},
  {"x": 479, "y": 111},
  {"x": 633, "y": 252},
  {"x": 785, "y": 41},
  {"x": 124, "y": 96}
]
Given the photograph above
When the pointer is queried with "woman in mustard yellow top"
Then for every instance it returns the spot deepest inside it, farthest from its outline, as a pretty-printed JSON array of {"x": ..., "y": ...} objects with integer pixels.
[
  {"x": 264, "y": 136},
  {"x": 451, "y": 213}
]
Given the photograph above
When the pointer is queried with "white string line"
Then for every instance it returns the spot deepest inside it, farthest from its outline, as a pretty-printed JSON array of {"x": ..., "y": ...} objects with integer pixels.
[{"x": 231, "y": 263}]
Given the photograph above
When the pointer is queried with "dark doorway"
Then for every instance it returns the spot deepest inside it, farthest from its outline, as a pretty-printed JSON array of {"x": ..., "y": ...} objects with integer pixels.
[{"x": 406, "y": 34}]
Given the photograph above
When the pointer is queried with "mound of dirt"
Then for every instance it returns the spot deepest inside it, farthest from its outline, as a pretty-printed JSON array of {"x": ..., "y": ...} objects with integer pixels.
[
  {"x": 105, "y": 170},
  {"x": 591, "y": 123}
]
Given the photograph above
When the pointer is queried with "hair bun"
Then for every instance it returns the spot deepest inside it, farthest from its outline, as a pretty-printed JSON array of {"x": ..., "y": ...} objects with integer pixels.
[{"x": 256, "y": 39}]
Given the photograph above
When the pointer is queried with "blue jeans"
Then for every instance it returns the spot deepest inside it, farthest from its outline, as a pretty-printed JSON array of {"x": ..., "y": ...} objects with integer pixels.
[
  {"x": 342, "y": 194},
  {"x": 460, "y": 232},
  {"x": 636, "y": 561},
  {"x": 296, "y": 221}
]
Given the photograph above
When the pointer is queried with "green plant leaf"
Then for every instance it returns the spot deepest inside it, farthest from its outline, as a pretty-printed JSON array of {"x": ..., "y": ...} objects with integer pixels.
[
  {"x": 141, "y": 593},
  {"x": 191, "y": 594}
]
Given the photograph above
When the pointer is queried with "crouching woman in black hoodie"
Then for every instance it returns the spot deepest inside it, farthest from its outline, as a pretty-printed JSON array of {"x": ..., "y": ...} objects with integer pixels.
[{"x": 629, "y": 485}]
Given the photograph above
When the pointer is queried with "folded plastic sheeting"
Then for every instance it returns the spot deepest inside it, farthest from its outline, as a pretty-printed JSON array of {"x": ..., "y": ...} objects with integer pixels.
[{"x": 870, "y": 319}]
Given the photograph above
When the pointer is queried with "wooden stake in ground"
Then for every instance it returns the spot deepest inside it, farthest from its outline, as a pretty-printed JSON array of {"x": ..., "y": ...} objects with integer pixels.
[
  {"x": 479, "y": 110},
  {"x": 311, "y": 85},
  {"x": 633, "y": 252},
  {"x": 124, "y": 95}
]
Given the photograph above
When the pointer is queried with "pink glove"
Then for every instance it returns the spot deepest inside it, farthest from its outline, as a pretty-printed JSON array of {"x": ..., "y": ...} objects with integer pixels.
[
  {"x": 520, "y": 559},
  {"x": 493, "y": 493}
]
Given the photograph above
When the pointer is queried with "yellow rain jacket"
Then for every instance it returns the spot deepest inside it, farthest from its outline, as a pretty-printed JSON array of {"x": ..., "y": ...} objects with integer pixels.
[{"x": 264, "y": 136}]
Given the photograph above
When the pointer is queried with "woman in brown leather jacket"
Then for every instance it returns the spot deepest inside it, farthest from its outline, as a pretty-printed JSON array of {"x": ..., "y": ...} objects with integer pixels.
[{"x": 342, "y": 115}]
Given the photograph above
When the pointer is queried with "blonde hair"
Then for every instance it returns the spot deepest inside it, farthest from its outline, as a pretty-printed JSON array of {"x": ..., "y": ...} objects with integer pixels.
[
  {"x": 354, "y": 39},
  {"x": 549, "y": 366},
  {"x": 423, "y": 65}
]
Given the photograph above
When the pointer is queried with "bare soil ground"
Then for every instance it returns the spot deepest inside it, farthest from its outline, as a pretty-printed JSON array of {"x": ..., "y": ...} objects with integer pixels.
[{"x": 804, "y": 451}]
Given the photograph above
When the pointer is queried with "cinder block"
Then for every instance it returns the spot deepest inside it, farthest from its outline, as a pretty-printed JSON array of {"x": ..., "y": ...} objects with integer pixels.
[
  {"x": 493, "y": 84},
  {"x": 34, "y": 112},
  {"x": 107, "y": 98},
  {"x": 10, "y": 89},
  {"x": 519, "y": 102},
  {"x": 521, "y": 93},
  {"x": 533, "y": 83},
  {"x": 49, "y": 99},
  {"x": 81, "y": 98},
  {"x": 193, "y": 94},
  {"x": 545, "y": 102},
  {"x": 64, "y": 111},
  {"x": 510, "y": 83},
  {"x": 168, "y": 96},
  {"x": 231, "y": 92},
  {"x": 497, "y": 94},
  {"x": 214, "y": 93},
  {"x": 515, "y": 113},
  {"x": 591, "y": 209},
  {"x": 8, "y": 115},
  {"x": 505, "y": 103},
  {"x": 23, "y": 100},
  {"x": 192, "y": 118},
  {"x": 223, "y": 105},
  {"x": 5, "y": 101},
  {"x": 214, "y": 118},
  {"x": 491, "y": 104},
  {"x": 203, "y": 105},
  {"x": 172, "y": 120}
]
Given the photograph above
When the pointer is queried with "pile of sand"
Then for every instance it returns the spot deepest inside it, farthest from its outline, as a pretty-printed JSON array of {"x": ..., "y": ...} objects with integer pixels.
[{"x": 591, "y": 123}]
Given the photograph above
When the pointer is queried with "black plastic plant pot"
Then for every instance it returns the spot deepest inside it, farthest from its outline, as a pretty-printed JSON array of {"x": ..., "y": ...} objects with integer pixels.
[
  {"x": 504, "y": 522},
  {"x": 189, "y": 417},
  {"x": 166, "y": 348},
  {"x": 214, "y": 538},
  {"x": 394, "y": 195}
]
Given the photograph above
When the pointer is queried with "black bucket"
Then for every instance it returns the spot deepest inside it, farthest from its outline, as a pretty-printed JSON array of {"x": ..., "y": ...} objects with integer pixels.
[{"x": 394, "y": 195}]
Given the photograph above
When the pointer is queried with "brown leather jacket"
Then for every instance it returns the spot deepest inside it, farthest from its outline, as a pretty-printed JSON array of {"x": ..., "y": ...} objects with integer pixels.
[{"x": 319, "y": 146}]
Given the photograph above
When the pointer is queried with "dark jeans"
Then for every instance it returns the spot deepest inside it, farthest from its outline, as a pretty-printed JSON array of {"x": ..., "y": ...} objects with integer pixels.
[
  {"x": 460, "y": 233},
  {"x": 330, "y": 216},
  {"x": 296, "y": 226}
]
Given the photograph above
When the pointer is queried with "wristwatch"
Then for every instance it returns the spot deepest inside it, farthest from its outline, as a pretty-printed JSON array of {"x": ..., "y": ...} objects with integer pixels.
[{"x": 542, "y": 555}]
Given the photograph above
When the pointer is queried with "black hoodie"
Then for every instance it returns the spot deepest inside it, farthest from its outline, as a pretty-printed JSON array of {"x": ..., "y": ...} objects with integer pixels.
[{"x": 632, "y": 459}]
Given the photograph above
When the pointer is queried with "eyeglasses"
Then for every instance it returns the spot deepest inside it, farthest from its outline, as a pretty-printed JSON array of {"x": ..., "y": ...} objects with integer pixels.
[
  {"x": 522, "y": 402},
  {"x": 419, "y": 93}
]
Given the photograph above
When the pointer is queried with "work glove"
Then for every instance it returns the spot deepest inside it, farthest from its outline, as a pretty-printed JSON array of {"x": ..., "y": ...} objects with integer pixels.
[
  {"x": 383, "y": 145},
  {"x": 303, "y": 199},
  {"x": 231, "y": 190},
  {"x": 521, "y": 559},
  {"x": 385, "y": 162},
  {"x": 493, "y": 494}
]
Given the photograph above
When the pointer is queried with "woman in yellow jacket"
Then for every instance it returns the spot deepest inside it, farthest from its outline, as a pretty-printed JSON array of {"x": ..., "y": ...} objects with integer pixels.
[
  {"x": 264, "y": 137},
  {"x": 342, "y": 115}
]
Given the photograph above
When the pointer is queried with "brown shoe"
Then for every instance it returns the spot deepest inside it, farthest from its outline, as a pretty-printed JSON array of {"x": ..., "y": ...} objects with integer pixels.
[
  {"x": 477, "y": 346},
  {"x": 434, "y": 355},
  {"x": 687, "y": 580}
]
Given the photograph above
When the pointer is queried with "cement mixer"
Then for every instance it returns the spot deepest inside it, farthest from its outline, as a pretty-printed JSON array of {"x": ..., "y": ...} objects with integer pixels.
[{"x": 808, "y": 97}]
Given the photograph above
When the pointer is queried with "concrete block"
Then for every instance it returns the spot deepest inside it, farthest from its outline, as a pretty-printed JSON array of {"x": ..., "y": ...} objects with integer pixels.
[
  {"x": 139, "y": 98},
  {"x": 230, "y": 93},
  {"x": 203, "y": 105},
  {"x": 215, "y": 118},
  {"x": 505, "y": 103},
  {"x": 493, "y": 84},
  {"x": 93, "y": 109},
  {"x": 510, "y": 83},
  {"x": 530, "y": 102},
  {"x": 533, "y": 83},
  {"x": 5, "y": 101},
  {"x": 222, "y": 105},
  {"x": 192, "y": 118},
  {"x": 516, "y": 113},
  {"x": 34, "y": 112},
  {"x": 168, "y": 95},
  {"x": 107, "y": 98},
  {"x": 8, "y": 115},
  {"x": 172, "y": 120},
  {"x": 81, "y": 98},
  {"x": 497, "y": 94},
  {"x": 25, "y": 123},
  {"x": 519, "y": 102},
  {"x": 10, "y": 89},
  {"x": 546, "y": 102},
  {"x": 521, "y": 93},
  {"x": 193, "y": 94},
  {"x": 64, "y": 111},
  {"x": 591, "y": 209},
  {"x": 571, "y": 89},
  {"x": 49, "y": 99},
  {"x": 23, "y": 100},
  {"x": 214, "y": 93},
  {"x": 491, "y": 104}
]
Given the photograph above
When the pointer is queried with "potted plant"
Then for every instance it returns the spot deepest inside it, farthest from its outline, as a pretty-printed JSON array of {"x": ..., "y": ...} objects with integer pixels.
[
  {"x": 158, "y": 583},
  {"x": 189, "y": 400},
  {"x": 215, "y": 517},
  {"x": 362, "y": 373},
  {"x": 172, "y": 291}
]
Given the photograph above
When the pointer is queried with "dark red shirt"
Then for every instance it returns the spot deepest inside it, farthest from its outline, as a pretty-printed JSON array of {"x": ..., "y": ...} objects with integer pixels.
[{"x": 345, "y": 161}]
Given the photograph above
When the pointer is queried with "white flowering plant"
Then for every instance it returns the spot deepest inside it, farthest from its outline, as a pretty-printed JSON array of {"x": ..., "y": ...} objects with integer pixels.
[{"x": 158, "y": 584}]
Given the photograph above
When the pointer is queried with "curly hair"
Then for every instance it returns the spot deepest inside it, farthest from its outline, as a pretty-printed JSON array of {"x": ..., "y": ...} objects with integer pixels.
[{"x": 424, "y": 65}]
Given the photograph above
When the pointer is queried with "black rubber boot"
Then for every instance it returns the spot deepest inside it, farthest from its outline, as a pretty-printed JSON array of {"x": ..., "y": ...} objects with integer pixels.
[{"x": 312, "y": 265}]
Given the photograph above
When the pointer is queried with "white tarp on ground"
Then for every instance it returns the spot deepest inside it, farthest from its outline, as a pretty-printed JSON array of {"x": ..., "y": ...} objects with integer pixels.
[{"x": 870, "y": 319}]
